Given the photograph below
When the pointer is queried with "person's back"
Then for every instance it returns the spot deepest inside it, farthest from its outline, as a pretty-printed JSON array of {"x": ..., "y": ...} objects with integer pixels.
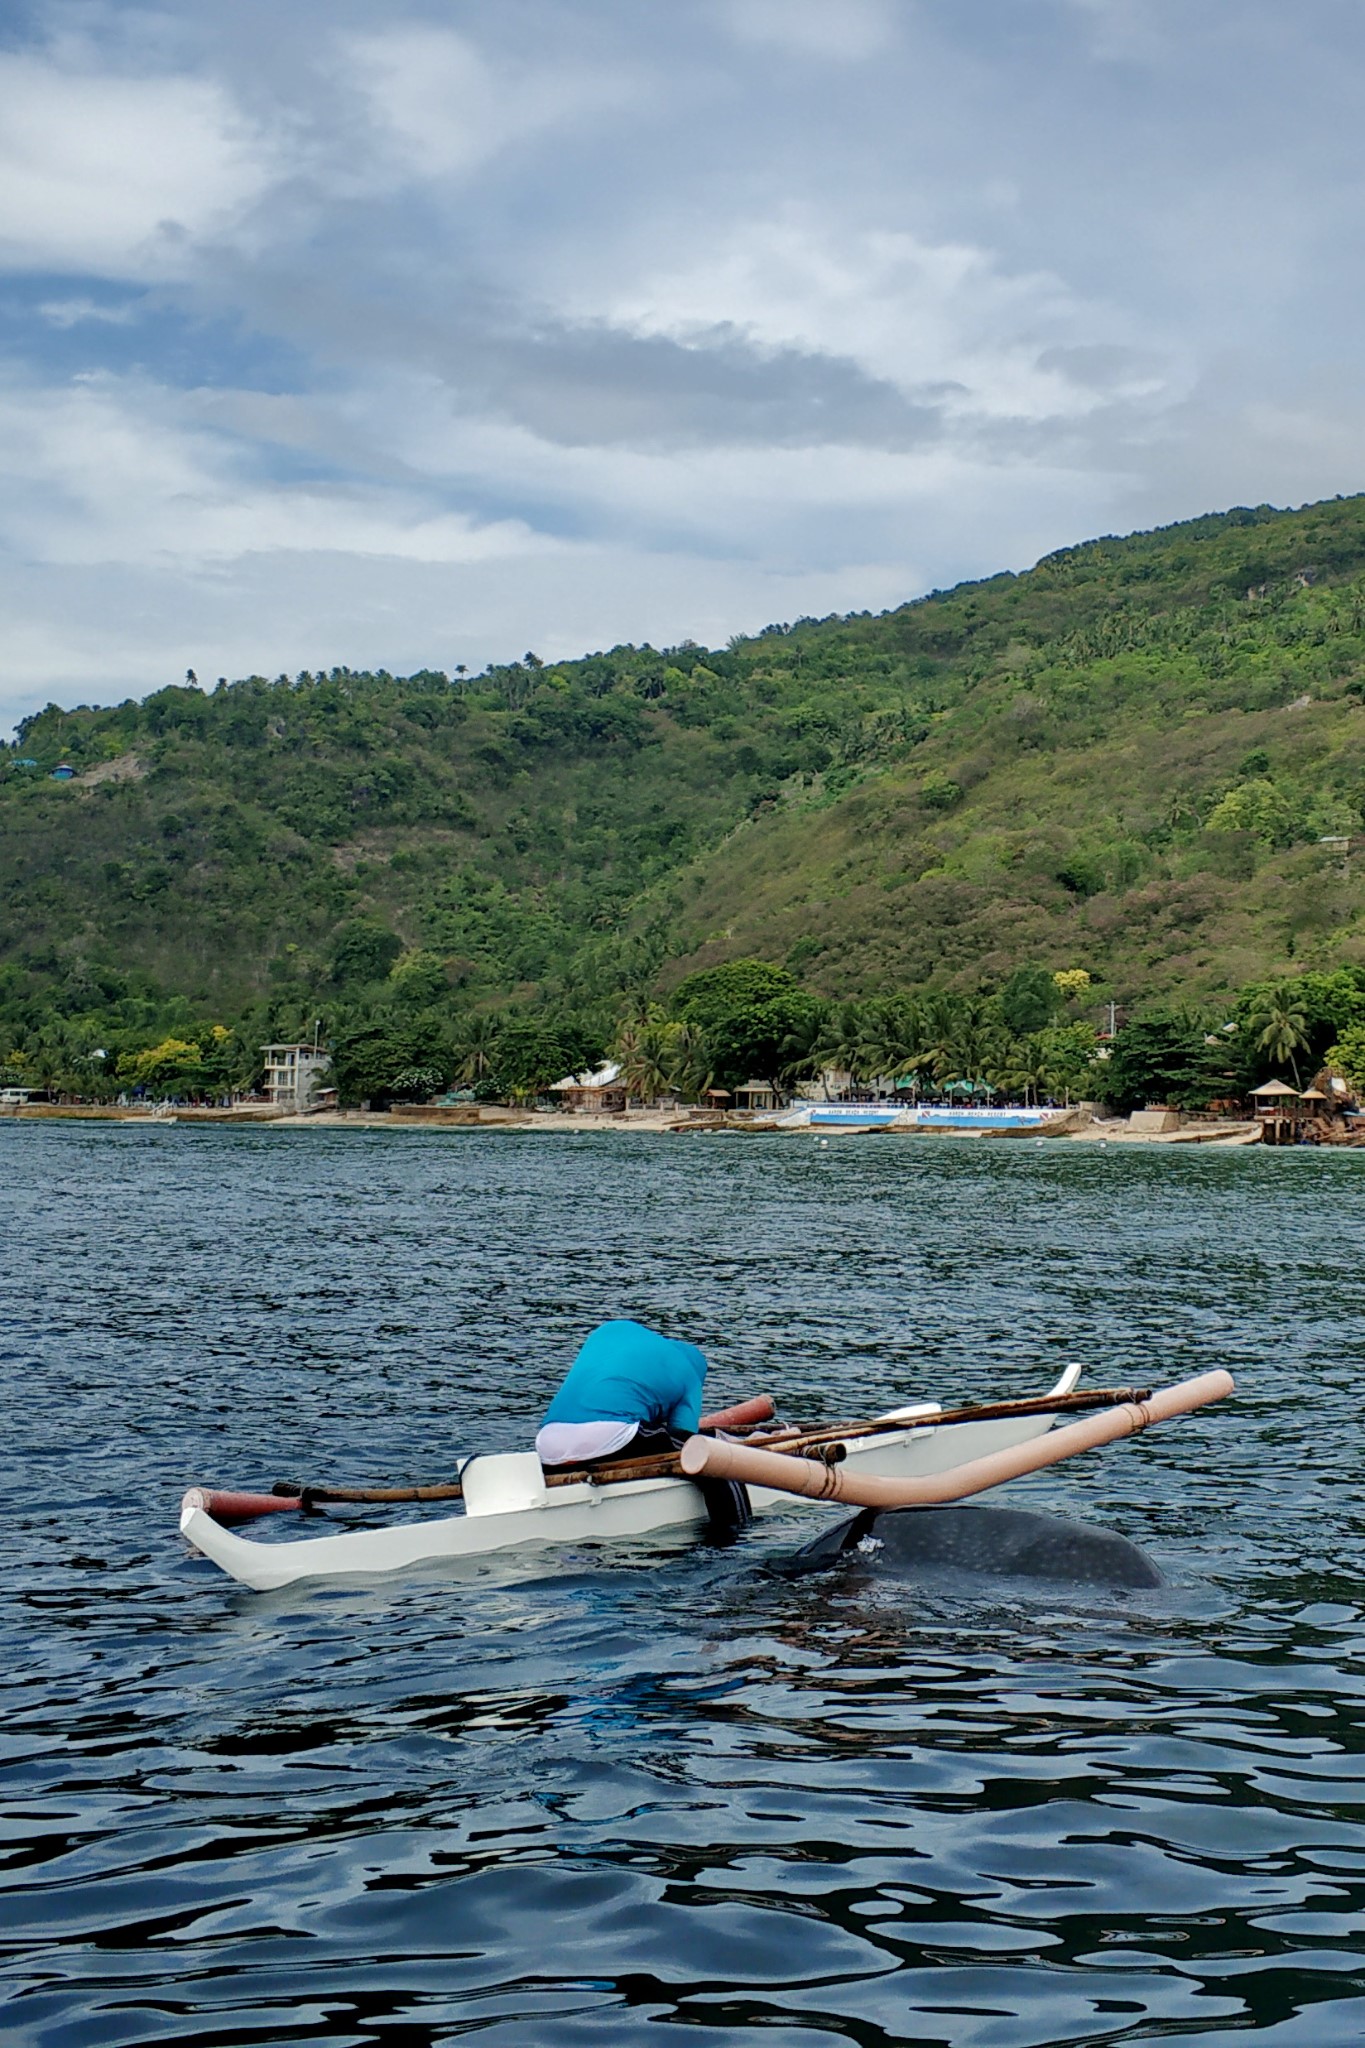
[{"x": 629, "y": 1386}]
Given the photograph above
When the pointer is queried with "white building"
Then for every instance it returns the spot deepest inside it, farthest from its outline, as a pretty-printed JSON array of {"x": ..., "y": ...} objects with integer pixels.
[
  {"x": 291, "y": 1074},
  {"x": 600, "y": 1090}
]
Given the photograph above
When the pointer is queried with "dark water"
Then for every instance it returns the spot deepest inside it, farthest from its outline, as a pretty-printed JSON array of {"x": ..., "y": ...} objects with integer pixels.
[{"x": 659, "y": 1795}]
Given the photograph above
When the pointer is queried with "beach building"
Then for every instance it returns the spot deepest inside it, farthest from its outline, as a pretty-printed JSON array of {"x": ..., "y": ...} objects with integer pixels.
[
  {"x": 831, "y": 1084},
  {"x": 1279, "y": 1111},
  {"x": 291, "y": 1075},
  {"x": 600, "y": 1090},
  {"x": 757, "y": 1095}
]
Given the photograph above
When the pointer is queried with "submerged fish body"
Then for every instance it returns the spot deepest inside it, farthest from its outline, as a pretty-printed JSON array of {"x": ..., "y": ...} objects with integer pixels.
[{"x": 986, "y": 1542}]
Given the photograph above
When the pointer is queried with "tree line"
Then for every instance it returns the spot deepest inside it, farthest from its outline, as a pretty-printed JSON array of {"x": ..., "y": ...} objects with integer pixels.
[{"x": 395, "y": 1031}]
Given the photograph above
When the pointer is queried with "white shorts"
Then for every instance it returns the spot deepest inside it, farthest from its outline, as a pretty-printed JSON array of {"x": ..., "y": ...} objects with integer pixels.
[{"x": 576, "y": 1443}]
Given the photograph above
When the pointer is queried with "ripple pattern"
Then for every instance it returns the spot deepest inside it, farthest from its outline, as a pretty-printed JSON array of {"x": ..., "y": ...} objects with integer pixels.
[{"x": 659, "y": 1793}]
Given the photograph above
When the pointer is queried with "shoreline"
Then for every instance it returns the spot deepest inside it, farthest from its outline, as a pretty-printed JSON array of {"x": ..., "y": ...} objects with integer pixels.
[{"x": 1116, "y": 1131}]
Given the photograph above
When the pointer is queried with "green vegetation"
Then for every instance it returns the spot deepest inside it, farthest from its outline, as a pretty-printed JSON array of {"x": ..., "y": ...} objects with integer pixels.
[{"x": 1140, "y": 762}]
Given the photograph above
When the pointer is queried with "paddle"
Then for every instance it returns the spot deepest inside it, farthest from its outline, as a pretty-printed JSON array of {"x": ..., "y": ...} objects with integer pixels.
[{"x": 824, "y": 1443}]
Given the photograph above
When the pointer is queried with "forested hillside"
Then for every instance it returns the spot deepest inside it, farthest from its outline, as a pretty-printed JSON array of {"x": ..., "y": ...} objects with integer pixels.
[{"x": 1141, "y": 759}]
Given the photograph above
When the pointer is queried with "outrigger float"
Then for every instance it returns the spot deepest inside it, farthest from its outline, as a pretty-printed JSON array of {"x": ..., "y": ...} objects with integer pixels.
[{"x": 907, "y": 1457}]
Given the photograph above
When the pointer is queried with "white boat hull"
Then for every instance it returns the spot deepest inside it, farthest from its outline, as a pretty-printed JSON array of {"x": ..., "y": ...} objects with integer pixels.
[{"x": 912, "y": 1447}]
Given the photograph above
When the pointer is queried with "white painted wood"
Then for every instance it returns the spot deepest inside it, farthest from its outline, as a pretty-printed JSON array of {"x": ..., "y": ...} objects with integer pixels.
[{"x": 584, "y": 1513}]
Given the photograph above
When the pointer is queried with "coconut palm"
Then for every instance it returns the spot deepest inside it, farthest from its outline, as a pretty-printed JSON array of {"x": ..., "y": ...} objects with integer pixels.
[
  {"x": 973, "y": 1041},
  {"x": 940, "y": 1019},
  {"x": 1280, "y": 1024},
  {"x": 894, "y": 1038},
  {"x": 690, "y": 1070},
  {"x": 841, "y": 1043},
  {"x": 1026, "y": 1069},
  {"x": 798, "y": 1054},
  {"x": 644, "y": 1053},
  {"x": 476, "y": 1047}
]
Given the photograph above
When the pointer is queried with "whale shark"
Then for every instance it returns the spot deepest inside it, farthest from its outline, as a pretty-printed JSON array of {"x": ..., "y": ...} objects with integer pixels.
[{"x": 990, "y": 1543}]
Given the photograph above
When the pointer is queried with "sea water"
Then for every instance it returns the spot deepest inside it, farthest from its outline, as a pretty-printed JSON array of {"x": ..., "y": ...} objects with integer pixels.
[{"x": 659, "y": 1794}]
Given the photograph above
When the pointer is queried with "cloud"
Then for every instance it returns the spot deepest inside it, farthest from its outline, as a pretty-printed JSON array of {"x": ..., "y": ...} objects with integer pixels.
[
  {"x": 438, "y": 107},
  {"x": 1128, "y": 31},
  {"x": 849, "y": 31},
  {"x": 112, "y": 471},
  {"x": 116, "y": 176},
  {"x": 585, "y": 383},
  {"x": 571, "y": 320},
  {"x": 944, "y": 323},
  {"x": 74, "y": 312}
]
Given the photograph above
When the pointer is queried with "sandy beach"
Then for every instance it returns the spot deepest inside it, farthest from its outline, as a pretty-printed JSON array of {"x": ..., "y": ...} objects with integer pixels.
[{"x": 650, "y": 1122}]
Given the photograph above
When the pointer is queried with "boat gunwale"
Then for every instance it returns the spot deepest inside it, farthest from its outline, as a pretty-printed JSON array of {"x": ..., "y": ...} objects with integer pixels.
[{"x": 270, "y": 1566}]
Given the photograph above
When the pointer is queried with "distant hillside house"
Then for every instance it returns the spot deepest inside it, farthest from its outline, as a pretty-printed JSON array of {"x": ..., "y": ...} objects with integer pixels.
[
  {"x": 291, "y": 1075},
  {"x": 600, "y": 1090},
  {"x": 63, "y": 772}
]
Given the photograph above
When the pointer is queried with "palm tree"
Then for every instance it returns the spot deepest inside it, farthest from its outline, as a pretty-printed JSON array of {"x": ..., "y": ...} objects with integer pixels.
[
  {"x": 643, "y": 1051},
  {"x": 894, "y": 1038},
  {"x": 939, "y": 1025},
  {"x": 1026, "y": 1067},
  {"x": 1281, "y": 1024},
  {"x": 476, "y": 1047},
  {"x": 689, "y": 1070},
  {"x": 841, "y": 1043},
  {"x": 972, "y": 1041},
  {"x": 798, "y": 1054}
]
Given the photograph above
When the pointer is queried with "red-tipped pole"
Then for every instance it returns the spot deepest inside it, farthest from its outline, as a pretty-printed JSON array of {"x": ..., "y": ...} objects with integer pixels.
[
  {"x": 759, "y": 1409},
  {"x": 236, "y": 1507}
]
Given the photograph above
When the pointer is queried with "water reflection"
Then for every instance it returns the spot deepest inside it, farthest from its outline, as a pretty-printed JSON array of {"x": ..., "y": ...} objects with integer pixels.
[{"x": 586, "y": 1799}]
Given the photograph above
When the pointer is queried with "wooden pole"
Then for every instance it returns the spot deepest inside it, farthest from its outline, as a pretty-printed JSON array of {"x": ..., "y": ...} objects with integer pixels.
[
  {"x": 816, "y": 1443},
  {"x": 822, "y": 1442},
  {"x": 947, "y": 1418}
]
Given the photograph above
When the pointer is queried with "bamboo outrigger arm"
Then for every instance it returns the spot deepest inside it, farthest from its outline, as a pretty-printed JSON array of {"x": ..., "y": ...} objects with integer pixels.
[{"x": 715, "y": 1458}]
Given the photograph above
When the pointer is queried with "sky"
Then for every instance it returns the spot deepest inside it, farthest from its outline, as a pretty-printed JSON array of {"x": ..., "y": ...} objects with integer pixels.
[{"x": 423, "y": 333}]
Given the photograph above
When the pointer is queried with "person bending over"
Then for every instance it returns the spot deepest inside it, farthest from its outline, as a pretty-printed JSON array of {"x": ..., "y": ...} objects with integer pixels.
[
  {"x": 631, "y": 1392},
  {"x": 634, "y": 1393}
]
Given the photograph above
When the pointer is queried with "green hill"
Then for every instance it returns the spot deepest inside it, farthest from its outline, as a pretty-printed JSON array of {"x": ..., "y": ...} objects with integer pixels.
[{"x": 1143, "y": 758}]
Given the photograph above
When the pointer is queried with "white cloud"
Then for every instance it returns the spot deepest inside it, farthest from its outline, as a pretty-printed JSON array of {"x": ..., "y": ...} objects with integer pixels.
[
  {"x": 75, "y": 312},
  {"x": 848, "y": 31},
  {"x": 569, "y": 321},
  {"x": 97, "y": 634},
  {"x": 107, "y": 471},
  {"x": 924, "y": 316},
  {"x": 441, "y": 108},
  {"x": 116, "y": 175}
]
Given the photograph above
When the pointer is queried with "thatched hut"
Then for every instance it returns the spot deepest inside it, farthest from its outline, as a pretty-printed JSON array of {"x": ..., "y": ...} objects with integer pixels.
[{"x": 1279, "y": 1121}]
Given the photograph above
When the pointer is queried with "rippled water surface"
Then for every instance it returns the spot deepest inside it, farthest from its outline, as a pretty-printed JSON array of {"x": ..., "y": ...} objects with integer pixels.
[{"x": 658, "y": 1793}]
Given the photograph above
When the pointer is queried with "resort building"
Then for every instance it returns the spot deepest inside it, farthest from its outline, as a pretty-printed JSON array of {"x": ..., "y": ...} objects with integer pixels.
[
  {"x": 291, "y": 1075},
  {"x": 603, "y": 1089},
  {"x": 757, "y": 1095}
]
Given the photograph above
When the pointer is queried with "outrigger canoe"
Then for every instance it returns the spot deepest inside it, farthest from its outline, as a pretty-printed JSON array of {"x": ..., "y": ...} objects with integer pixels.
[{"x": 506, "y": 1502}]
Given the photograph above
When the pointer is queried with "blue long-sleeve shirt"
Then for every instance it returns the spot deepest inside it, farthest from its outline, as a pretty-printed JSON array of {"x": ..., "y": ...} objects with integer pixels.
[{"x": 627, "y": 1372}]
